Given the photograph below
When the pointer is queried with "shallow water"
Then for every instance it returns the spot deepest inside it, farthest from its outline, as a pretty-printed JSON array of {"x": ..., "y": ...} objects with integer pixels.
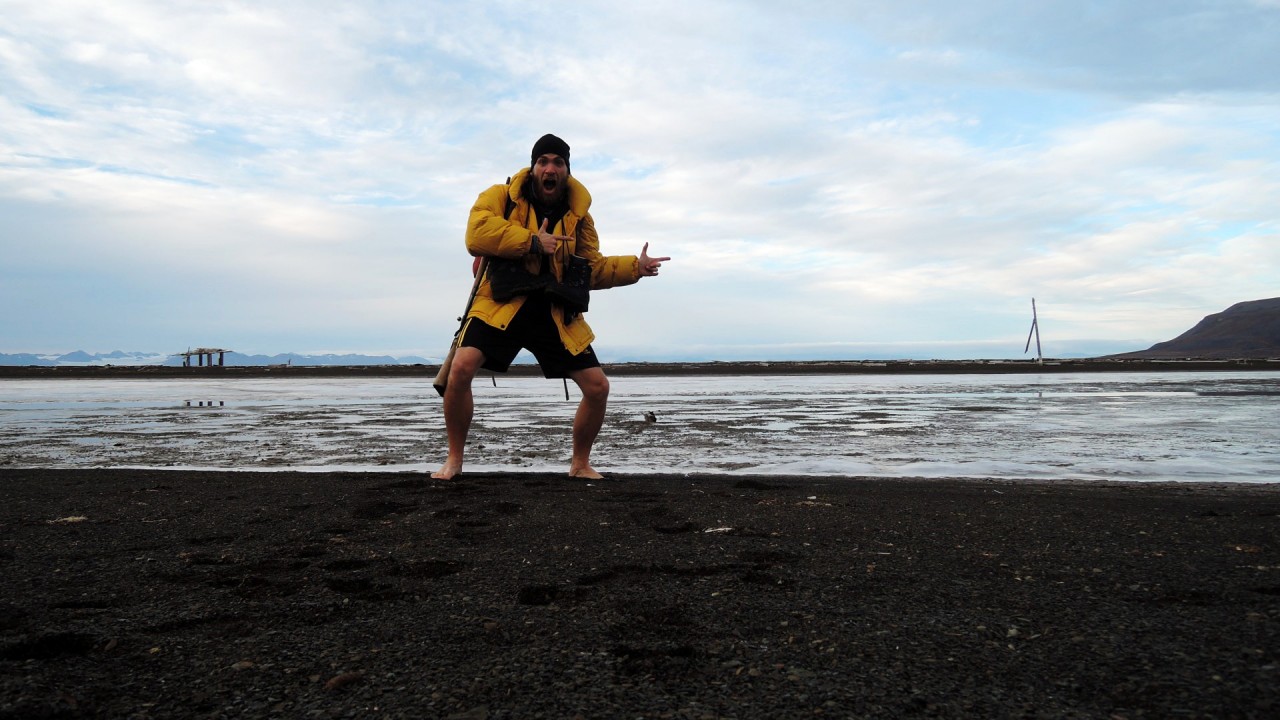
[{"x": 1132, "y": 426}]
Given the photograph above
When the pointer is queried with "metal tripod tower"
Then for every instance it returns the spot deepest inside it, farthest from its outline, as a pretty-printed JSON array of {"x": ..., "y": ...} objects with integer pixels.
[{"x": 1035, "y": 330}]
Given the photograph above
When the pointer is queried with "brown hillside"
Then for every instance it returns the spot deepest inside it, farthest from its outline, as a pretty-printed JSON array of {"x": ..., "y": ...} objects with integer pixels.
[{"x": 1244, "y": 330}]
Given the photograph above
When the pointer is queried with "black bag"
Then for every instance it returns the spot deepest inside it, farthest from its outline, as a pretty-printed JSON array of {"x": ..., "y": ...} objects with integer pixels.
[
  {"x": 574, "y": 292},
  {"x": 508, "y": 279}
]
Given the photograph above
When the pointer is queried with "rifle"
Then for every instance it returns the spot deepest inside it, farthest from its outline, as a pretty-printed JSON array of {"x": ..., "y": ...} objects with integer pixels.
[{"x": 442, "y": 377}]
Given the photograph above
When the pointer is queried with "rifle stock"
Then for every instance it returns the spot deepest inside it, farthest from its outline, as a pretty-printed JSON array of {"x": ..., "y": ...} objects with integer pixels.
[{"x": 442, "y": 377}]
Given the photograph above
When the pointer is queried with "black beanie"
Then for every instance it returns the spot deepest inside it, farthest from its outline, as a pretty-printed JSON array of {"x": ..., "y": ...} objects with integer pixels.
[{"x": 550, "y": 144}]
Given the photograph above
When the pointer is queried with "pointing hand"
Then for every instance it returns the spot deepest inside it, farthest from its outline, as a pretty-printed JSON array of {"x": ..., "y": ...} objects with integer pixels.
[
  {"x": 547, "y": 241},
  {"x": 649, "y": 265}
]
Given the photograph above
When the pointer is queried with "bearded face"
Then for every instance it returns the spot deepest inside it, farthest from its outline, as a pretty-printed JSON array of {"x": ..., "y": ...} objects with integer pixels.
[{"x": 550, "y": 178}]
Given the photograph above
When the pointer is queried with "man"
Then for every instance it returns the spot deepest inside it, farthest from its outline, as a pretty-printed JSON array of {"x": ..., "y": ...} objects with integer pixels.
[{"x": 541, "y": 219}]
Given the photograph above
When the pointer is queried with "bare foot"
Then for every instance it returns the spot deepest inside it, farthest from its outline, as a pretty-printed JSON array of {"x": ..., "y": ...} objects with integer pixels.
[
  {"x": 586, "y": 472},
  {"x": 448, "y": 472}
]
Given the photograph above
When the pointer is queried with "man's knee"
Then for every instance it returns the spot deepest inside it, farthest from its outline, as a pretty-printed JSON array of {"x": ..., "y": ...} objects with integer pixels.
[
  {"x": 466, "y": 363},
  {"x": 593, "y": 383}
]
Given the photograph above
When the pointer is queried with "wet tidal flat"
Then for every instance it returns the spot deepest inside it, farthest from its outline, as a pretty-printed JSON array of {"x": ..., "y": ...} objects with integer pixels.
[{"x": 1195, "y": 427}]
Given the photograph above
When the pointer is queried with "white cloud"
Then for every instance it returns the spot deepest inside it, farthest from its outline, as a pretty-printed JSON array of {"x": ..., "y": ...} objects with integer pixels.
[{"x": 826, "y": 175}]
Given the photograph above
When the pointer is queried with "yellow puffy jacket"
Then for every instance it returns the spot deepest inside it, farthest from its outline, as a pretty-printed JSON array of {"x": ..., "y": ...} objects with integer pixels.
[{"x": 489, "y": 234}]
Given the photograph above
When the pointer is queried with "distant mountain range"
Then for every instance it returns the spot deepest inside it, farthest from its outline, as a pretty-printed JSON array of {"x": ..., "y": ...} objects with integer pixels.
[
  {"x": 119, "y": 357},
  {"x": 1244, "y": 330}
]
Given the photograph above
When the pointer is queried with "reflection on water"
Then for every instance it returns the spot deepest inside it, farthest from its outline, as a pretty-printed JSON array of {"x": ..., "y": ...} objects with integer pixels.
[{"x": 1173, "y": 426}]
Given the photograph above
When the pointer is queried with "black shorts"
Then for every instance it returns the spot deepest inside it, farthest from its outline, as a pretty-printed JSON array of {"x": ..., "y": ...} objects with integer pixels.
[{"x": 531, "y": 329}]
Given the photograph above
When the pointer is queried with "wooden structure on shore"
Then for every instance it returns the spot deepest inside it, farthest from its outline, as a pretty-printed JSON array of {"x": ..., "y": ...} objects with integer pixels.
[{"x": 204, "y": 356}]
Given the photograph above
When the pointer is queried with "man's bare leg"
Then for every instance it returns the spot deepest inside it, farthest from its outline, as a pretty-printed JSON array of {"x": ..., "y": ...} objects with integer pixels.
[
  {"x": 458, "y": 408},
  {"x": 588, "y": 420}
]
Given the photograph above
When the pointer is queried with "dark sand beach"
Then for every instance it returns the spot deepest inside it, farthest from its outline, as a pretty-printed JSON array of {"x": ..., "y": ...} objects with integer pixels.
[{"x": 175, "y": 594}]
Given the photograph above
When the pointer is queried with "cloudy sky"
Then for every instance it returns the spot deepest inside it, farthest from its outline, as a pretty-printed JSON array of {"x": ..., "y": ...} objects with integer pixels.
[{"x": 844, "y": 179}]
